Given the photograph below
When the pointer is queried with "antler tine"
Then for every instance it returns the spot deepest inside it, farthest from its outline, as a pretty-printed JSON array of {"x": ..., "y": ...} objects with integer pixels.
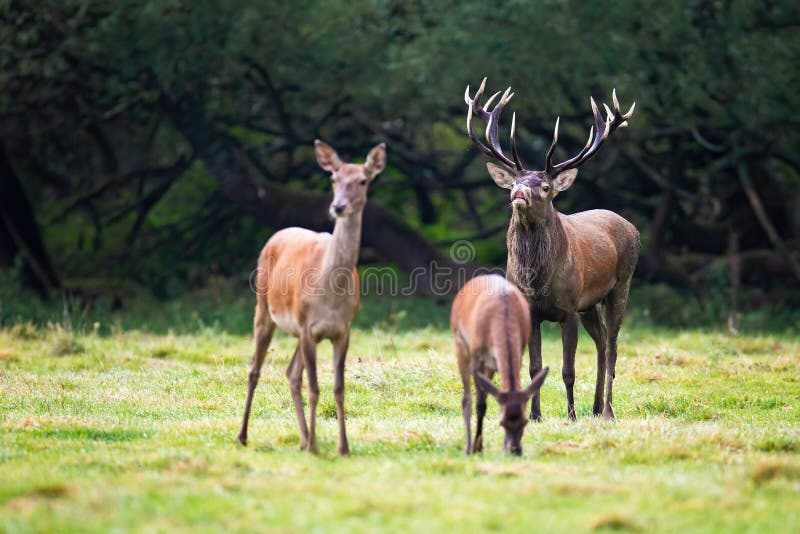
[
  {"x": 491, "y": 119},
  {"x": 604, "y": 128},
  {"x": 476, "y": 108},
  {"x": 517, "y": 161},
  {"x": 548, "y": 161}
]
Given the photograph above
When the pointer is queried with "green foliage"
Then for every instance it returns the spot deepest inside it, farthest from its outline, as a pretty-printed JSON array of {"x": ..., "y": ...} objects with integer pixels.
[{"x": 103, "y": 86}]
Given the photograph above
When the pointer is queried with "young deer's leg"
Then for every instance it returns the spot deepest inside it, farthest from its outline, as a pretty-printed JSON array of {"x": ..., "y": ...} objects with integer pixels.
[
  {"x": 594, "y": 325},
  {"x": 480, "y": 398},
  {"x": 569, "y": 340},
  {"x": 295, "y": 374},
  {"x": 466, "y": 399},
  {"x": 263, "y": 328},
  {"x": 535, "y": 353},
  {"x": 339, "y": 354},
  {"x": 615, "y": 311},
  {"x": 308, "y": 348}
]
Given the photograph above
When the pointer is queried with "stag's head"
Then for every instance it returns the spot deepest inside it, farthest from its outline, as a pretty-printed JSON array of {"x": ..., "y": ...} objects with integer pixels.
[
  {"x": 350, "y": 181},
  {"x": 512, "y": 407},
  {"x": 532, "y": 192}
]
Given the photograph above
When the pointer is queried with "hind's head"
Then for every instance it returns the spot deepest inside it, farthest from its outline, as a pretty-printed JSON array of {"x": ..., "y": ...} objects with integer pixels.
[{"x": 350, "y": 180}]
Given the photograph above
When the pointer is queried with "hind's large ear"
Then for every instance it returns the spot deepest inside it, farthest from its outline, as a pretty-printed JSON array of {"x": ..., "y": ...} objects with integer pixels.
[
  {"x": 483, "y": 382},
  {"x": 564, "y": 180},
  {"x": 327, "y": 157},
  {"x": 501, "y": 176},
  {"x": 376, "y": 160},
  {"x": 536, "y": 383}
]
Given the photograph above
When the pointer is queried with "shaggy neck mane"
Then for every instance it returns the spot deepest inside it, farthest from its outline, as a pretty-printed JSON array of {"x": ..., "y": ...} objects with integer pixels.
[{"x": 532, "y": 249}]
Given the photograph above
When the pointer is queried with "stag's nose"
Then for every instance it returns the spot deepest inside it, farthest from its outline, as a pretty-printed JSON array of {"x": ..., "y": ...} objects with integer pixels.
[{"x": 338, "y": 209}]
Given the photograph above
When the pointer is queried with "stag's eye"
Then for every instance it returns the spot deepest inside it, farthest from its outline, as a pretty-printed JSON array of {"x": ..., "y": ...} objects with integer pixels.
[
  {"x": 545, "y": 188},
  {"x": 362, "y": 182}
]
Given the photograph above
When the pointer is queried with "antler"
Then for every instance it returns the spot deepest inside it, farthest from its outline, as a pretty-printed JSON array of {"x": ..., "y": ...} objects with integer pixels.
[
  {"x": 492, "y": 120},
  {"x": 603, "y": 128}
]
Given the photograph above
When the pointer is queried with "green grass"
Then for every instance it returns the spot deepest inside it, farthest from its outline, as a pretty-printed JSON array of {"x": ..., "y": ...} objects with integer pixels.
[{"x": 122, "y": 428}]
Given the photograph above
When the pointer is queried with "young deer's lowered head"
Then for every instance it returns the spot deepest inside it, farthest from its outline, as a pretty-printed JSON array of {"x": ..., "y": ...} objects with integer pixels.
[
  {"x": 532, "y": 192},
  {"x": 349, "y": 180},
  {"x": 491, "y": 324}
]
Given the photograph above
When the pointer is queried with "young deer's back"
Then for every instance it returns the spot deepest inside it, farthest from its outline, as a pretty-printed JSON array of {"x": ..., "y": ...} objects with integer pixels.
[{"x": 491, "y": 320}]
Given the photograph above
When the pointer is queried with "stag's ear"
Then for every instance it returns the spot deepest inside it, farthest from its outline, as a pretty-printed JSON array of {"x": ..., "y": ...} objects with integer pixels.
[
  {"x": 483, "y": 382},
  {"x": 564, "y": 180},
  {"x": 536, "y": 383},
  {"x": 501, "y": 176},
  {"x": 327, "y": 157},
  {"x": 376, "y": 160}
]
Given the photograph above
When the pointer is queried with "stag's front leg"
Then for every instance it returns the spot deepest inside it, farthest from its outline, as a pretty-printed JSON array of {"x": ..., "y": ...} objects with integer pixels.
[
  {"x": 308, "y": 348},
  {"x": 339, "y": 353},
  {"x": 535, "y": 353},
  {"x": 569, "y": 340}
]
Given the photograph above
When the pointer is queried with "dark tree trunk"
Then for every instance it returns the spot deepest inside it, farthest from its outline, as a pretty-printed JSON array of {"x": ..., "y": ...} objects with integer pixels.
[
  {"x": 280, "y": 206},
  {"x": 20, "y": 234}
]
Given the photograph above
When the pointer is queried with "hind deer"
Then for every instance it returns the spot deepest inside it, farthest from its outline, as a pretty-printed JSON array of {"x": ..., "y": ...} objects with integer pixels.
[
  {"x": 567, "y": 265},
  {"x": 491, "y": 325},
  {"x": 308, "y": 286}
]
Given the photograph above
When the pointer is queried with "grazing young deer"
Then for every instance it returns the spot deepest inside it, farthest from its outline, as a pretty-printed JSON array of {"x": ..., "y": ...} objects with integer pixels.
[
  {"x": 491, "y": 324},
  {"x": 308, "y": 286},
  {"x": 567, "y": 265}
]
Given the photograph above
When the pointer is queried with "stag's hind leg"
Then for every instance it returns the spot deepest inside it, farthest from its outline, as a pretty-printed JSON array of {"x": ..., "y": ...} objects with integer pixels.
[
  {"x": 615, "y": 312},
  {"x": 263, "y": 328},
  {"x": 594, "y": 325}
]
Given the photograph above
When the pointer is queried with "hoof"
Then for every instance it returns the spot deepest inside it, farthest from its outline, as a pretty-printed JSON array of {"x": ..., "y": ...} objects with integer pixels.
[
  {"x": 571, "y": 414},
  {"x": 536, "y": 417},
  {"x": 344, "y": 451},
  {"x": 478, "y": 445},
  {"x": 608, "y": 414},
  {"x": 242, "y": 439}
]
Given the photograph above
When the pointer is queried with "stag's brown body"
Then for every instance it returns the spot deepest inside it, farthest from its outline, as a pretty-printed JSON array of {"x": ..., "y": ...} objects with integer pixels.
[
  {"x": 307, "y": 285},
  {"x": 567, "y": 265},
  {"x": 491, "y": 325}
]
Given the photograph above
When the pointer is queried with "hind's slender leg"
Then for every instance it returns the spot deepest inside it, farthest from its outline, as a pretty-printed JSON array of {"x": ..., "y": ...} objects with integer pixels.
[
  {"x": 295, "y": 374},
  {"x": 615, "y": 311},
  {"x": 263, "y": 328},
  {"x": 339, "y": 354},
  {"x": 594, "y": 325},
  {"x": 308, "y": 349}
]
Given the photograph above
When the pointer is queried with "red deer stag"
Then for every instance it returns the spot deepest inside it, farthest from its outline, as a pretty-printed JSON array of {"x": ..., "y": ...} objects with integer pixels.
[
  {"x": 308, "y": 286},
  {"x": 491, "y": 324},
  {"x": 567, "y": 265}
]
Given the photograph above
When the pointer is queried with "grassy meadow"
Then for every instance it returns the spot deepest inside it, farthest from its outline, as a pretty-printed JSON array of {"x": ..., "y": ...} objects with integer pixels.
[{"x": 128, "y": 424}]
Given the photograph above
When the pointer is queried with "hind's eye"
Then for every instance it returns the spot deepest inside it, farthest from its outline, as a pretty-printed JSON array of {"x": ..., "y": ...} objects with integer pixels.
[{"x": 363, "y": 182}]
